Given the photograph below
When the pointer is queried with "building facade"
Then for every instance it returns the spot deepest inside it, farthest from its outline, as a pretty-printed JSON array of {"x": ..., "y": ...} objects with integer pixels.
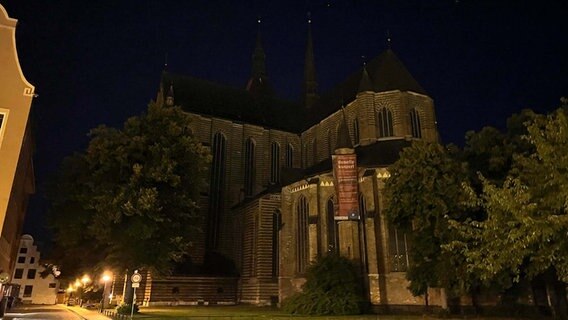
[
  {"x": 34, "y": 289},
  {"x": 16, "y": 144},
  {"x": 272, "y": 202}
]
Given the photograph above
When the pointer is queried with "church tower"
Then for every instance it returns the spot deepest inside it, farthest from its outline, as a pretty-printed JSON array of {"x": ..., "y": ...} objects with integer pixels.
[
  {"x": 310, "y": 85},
  {"x": 258, "y": 84}
]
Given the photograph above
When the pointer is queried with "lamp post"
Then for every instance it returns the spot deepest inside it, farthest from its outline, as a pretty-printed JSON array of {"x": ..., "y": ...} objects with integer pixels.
[
  {"x": 70, "y": 292},
  {"x": 104, "y": 279},
  {"x": 85, "y": 280}
]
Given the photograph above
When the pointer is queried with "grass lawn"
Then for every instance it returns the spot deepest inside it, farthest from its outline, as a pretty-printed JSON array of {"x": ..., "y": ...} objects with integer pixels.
[{"x": 243, "y": 312}]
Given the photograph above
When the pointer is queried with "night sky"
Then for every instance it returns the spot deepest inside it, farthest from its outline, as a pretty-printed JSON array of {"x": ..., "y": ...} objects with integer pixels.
[{"x": 99, "y": 62}]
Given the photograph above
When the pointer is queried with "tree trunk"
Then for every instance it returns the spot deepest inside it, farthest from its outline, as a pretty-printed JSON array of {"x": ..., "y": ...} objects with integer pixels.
[{"x": 556, "y": 296}]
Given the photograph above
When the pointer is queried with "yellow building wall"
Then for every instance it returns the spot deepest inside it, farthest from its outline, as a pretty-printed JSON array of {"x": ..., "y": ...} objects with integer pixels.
[{"x": 16, "y": 170}]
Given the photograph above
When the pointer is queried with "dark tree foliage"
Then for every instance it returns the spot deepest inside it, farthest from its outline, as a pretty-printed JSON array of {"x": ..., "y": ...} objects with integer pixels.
[
  {"x": 423, "y": 193},
  {"x": 131, "y": 199},
  {"x": 332, "y": 288}
]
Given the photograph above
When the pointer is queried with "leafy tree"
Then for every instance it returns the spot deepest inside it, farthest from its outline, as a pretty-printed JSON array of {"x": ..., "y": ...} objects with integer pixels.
[
  {"x": 525, "y": 232},
  {"x": 131, "y": 199},
  {"x": 423, "y": 192},
  {"x": 332, "y": 288}
]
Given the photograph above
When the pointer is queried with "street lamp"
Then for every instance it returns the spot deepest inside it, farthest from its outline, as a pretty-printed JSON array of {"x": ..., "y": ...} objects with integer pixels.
[
  {"x": 106, "y": 277},
  {"x": 85, "y": 280},
  {"x": 70, "y": 292}
]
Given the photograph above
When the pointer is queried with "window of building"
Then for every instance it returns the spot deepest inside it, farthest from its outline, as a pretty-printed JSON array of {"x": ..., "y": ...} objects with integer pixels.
[
  {"x": 384, "y": 123},
  {"x": 52, "y": 285},
  {"x": 330, "y": 146},
  {"x": 28, "y": 291},
  {"x": 289, "y": 156},
  {"x": 362, "y": 206},
  {"x": 314, "y": 151},
  {"x": 18, "y": 274},
  {"x": 398, "y": 250},
  {"x": 275, "y": 163},
  {"x": 31, "y": 273},
  {"x": 32, "y": 260},
  {"x": 276, "y": 222},
  {"x": 2, "y": 119},
  {"x": 415, "y": 124},
  {"x": 356, "y": 131},
  {"x": 22, "y": 259},
  {"x": 302, "y": 211},
  {"x": 250, "y": 167},
  {"x": 23, "y": 250},
  {"x": 305, "y": 155},
  {"x": 332, "y": 234},
  {"x": 216, "y": 193}
]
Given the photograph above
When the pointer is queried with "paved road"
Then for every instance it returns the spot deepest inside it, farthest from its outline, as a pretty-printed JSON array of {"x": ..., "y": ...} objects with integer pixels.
[{"x": 41, "y": 312}]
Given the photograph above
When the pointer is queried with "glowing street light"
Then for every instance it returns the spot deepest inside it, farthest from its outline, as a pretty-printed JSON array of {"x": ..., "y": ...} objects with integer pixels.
[{"x": 105, "y": 278}]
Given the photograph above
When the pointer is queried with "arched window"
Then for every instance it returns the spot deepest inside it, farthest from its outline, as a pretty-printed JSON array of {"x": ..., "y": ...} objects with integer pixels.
[
  {"x": 355, "y": 131},
  {"x": 384, "y": 123},
  {"x": 315, "y": 151},
  {"x": 289, "y": 156},
  {"x": 398, "y": 250},
  {"x": 332, "y": 235},
  {"x": 250, "y": 167},
  {"x": 415, "y": 124},
  {"x": 275, "y": 163},
  {"x": 276, "y": 223},
  {"x": 362, "y": 206},
  {"x": 330, "y": 146},
  {"x": 302, "y": 211},
  {"x": 217, "y": 190},
  {"x": 305, "y": 155}
]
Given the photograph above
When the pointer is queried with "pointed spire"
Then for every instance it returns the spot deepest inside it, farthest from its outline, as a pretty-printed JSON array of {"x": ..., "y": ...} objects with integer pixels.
[
  {"x": 170, "y": 95},
  {"x": 310, "y": 83},
  {"x": 258, "y": 84},
  {"x": 389, "y": 40},
  {"x": 258, "y": 57},
  {"x": 160, "y": 95},
  {"x": 343, "y": 138},
  {"x": 365, "y": 83}
]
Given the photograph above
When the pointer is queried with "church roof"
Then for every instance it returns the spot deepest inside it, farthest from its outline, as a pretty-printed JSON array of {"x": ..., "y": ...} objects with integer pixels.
[
  {"x": 379, "y": 154},
  {"x": 212, "y": 99},
  {"x": 385, "y": 72}
]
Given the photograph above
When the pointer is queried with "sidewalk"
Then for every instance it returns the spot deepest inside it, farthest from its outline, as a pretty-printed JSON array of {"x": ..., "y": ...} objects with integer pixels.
[{"x": 87, "y": 314}]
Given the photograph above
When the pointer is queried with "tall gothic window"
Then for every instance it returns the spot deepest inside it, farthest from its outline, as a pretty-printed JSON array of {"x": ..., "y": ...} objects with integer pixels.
[
  {"x": 356, "y": 131},
  {"x": 250, "y": 167},
  {"x": 330, "y": 146},
  {"x": 289, "y": 156},
  {"x": 398, "y": 250},
  {"x": 315, "y": 151},
  {"x": 275, "y": 163},
  {"x": 216, "y": 194},
  {"x": 276, "y": 222},
  {"x": 302, "y": 211},
  {"x": 415, "y": 124},
  {"x": 384, "y": 123},
  {"x": 305, "y": 155},
  {"x": 332, "y": 236},
  {"x": 362, "y": 206}
]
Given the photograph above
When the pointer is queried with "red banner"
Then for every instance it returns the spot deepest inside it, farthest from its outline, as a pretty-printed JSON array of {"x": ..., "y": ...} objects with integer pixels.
[{"x": 346, "y": 186}]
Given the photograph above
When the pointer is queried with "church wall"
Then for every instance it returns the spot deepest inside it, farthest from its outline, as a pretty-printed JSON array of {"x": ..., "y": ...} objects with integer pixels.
[
  {"x": 258, "y": 283},
  {"x": 204, "y": 128}
]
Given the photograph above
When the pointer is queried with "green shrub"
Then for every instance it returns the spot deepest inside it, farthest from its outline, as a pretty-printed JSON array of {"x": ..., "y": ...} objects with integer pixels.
[
  {"x": 126, "y": 308},
  {"x": 332, "y": 287}
]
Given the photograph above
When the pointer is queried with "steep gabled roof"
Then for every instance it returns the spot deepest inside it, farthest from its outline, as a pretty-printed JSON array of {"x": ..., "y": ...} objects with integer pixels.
[
  {"x": 213, "y": 99},
  {"x": 386, "y": 72}
]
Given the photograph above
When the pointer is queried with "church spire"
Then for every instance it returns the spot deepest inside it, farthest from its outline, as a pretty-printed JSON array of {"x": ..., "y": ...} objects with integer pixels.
[
  {"x": 310, "y": 83},
  {"x": 258, "y": 82},
  {"x": 258, "y": 57}
]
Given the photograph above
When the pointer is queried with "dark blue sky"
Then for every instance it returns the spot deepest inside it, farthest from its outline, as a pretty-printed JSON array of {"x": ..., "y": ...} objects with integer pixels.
[{"x": 99, "y": 62}]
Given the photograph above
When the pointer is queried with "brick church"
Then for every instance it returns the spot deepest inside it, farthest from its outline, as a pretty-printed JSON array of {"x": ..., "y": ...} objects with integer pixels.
[{"x": 273, "y": 206}]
